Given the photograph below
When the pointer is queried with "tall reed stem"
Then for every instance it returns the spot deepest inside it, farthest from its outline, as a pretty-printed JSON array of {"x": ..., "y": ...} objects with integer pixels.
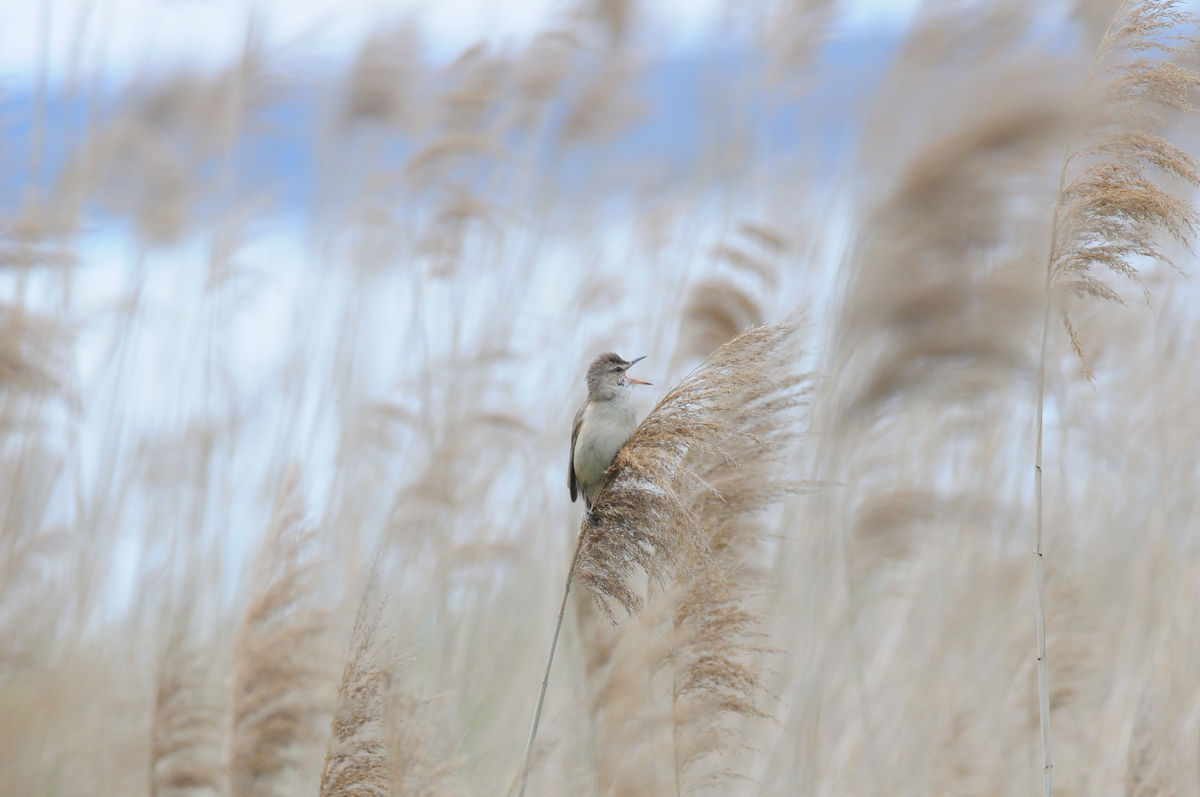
[
  {"x": 537, "y": 714},
  {"x": 1039, "y": 561}
]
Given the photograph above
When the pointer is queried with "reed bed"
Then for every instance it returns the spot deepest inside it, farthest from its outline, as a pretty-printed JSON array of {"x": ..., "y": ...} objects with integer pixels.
[{"x": 289, "y": 356}]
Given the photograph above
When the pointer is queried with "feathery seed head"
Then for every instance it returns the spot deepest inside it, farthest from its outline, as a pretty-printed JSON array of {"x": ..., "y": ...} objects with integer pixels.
[{"x": 720, "y": 429}]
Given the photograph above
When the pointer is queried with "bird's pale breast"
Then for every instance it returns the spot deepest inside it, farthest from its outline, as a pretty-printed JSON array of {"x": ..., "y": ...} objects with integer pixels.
[{"x": 604, "y": 428}]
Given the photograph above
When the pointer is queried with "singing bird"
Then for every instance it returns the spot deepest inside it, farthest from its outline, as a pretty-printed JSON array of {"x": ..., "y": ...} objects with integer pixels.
[{"x": 602, "y": 425}]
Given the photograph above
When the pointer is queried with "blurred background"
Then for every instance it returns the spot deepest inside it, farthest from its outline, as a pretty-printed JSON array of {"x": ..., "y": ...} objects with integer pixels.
[{"x": 296, "y": 292}]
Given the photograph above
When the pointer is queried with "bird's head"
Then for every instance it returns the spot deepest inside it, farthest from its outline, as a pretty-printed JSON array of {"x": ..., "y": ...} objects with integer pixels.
[{"x": 606, "y": 377}]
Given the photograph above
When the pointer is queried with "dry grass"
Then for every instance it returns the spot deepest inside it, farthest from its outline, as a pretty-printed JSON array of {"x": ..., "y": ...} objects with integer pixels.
[
  {"x": 1110, "y": 207},
  {"x": 807, "y": 574},
  {"x": 357, "y": 760},
  {"x": 188, "y": 732},
  {"x": 280, "y": 672},
  {"x": 1109, "y": 212}
]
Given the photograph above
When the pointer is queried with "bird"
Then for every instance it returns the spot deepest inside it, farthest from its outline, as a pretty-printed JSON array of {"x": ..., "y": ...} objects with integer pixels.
[{"x": 603, "y": 424}]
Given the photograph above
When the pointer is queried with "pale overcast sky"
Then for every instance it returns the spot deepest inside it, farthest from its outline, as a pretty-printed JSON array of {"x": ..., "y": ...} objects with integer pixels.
[{"x": 126, "y": 35}]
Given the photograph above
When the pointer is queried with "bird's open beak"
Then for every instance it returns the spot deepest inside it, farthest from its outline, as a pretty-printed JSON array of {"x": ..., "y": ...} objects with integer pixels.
[{"x": 632, "y": 363}]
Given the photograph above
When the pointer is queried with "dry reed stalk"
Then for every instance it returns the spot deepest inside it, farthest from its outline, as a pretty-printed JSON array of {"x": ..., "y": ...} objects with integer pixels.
[
  {"x": 716, "y": 680},
  {"x": 187, "y": 730},
  {"x": 413, "y": 767},
  {"x": 717, "y": 310},
  {"x": 1110, "y": 210},
  {"x": 677, "y": 501},
  {"x": 32, "y": 351},
  {"x": 539, "y": 74},
  {"x": 382, "y": 86},
  {"x": 1109, "y": 213},
  {"x": 279, "y": 670},
  {"x": 646, "y": 516},
  {"x": 916, "y": 320},
  {"x": 40, "y": 237},
  {"x": 716, "y": 660},
  {"x": 475, "y": 86},
  {"x": 632, "y": 743},
  {"x": 932, "y": 333},
  {"x": 537, "y": 712},
  {"x": 792, "y": 33},
  {"x": 614, "y": 18},
  {"x": 356, "y": 761},
  {"x": 36, "y": 378},
  {"x": 164, "y": 156},
  {"x": 607, "y": 104},
  {"x": 675, "y": 679},
  {"x": 379, "y": 741}
]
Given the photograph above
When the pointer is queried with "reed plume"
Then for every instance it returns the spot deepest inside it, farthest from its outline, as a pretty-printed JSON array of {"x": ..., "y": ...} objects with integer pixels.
[
  {"x": 356, "y": 761},
  {"x": 279, "y": 670},
  {"x": 717, "y": 674},
  {"x": 187, "y": 730},
  {"x": 717, "y": 659},
  {"x": 379, "y": 738},
  {"x": 32, "y": 352},
  {"x": 414, "y": 766},
  {"x": 1110, "y": 211},
  {"x": 631, "y": 743},
  {"x": 649, "y": 515},
  {"x": 717, "y": 439},
  {"x": 436, "y": 237},
  {"x": 382, "y": 85},
  {"x": 933, "y": 332}
]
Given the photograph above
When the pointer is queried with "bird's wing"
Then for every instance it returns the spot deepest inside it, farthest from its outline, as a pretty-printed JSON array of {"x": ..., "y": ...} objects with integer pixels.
[{"x": 571, "y": 462}]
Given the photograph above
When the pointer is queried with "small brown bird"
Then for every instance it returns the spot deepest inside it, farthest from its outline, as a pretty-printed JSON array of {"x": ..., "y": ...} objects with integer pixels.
[{"x": 602, "y": 425}]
